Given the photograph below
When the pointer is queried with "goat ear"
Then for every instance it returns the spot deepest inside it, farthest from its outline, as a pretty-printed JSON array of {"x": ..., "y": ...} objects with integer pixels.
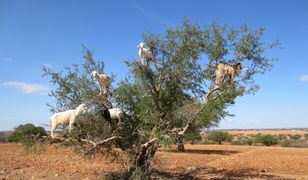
[
  {"x": 239, "y": 66},
  {"x": 216, "y": 66}
]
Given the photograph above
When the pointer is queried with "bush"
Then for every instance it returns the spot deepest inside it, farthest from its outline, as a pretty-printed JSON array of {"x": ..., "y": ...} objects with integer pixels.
[
  {"x": 193, "y": 137},
  {"x": 249, "y": 142},
  {"x": 306, "y": 136},
  {"x": 27, "y": 132},
  {"x": 219, "y": 136},
  {"x": 295, "y": 137},
  {"x": 206, "y": 141},
  {"x": 285, "y": 143},
  {"x": 267, "y": 140}
]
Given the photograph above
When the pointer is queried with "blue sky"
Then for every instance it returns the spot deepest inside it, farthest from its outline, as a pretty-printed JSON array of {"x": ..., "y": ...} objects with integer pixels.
[{"x": 37, "y": 33}]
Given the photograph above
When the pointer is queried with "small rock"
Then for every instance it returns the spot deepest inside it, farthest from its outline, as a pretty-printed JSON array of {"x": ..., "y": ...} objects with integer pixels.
[
  {"x": 56, "y": 175},
  {"x": 191, "y": 168}
]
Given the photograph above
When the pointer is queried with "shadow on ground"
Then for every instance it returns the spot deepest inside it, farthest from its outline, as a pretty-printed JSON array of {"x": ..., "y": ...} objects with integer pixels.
[
  {"x": 212, "y": 173},
  {"x": 196, "y": 151}
]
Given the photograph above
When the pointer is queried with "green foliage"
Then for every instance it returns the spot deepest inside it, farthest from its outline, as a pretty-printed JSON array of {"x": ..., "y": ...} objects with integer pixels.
[
  {"x": 74, "y": 85},
  {"x": 267, "y": 140},
  {"x": 193, "y": 137},
  {"x": 285, "y": 143},
  {"x": 170, "y": 89},
  {"x": 25, "y": 133},
  {"x": 295, "y": 136},
  {"x": 30, "y": 136},
  {"x": 306, "y": 136},
  {"x": 219, "y": 136}
]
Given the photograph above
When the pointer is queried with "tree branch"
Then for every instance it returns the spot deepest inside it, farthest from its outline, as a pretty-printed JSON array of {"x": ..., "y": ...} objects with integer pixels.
[
  {"x": 142, "y": 155},
  {"x": 97, "y": 144},
  {"x": 191, "y": 121}
]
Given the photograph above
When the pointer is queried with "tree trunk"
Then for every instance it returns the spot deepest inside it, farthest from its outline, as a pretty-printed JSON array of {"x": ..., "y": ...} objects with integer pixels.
[
  {"x": 180, "y": 142},
  {"x": 181, "y": 134},
  {"x": 146, "y": 152}
]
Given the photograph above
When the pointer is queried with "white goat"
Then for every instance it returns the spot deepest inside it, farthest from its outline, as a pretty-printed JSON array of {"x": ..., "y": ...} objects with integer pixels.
[
  {"x": 144, "y": 54},
  {"x": 66, "y": 117},
  {"x": 116, "y": 114},
  {"x": 103, "y": 80}
]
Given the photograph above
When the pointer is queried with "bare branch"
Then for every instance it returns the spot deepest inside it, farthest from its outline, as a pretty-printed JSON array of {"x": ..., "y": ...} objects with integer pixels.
[{"x": 97, "y": 144}]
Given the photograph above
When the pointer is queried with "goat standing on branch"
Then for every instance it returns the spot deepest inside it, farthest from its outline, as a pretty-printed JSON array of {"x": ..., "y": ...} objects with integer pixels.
[
  {"x": 225, "y": 71},
  {"x": 144, "y": 54},
  {"x": 102, "y": 80},
  {"x": 116, "y": 114},
  {"x": 66, "y": 117}
]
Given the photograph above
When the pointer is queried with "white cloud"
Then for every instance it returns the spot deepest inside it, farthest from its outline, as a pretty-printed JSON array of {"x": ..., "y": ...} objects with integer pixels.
[
  {"x": 47, "y": 65},
  {"x": 150, "y": 15},
  {"x": 303, "y": 78},
  {"x": 27, "y": 88}
]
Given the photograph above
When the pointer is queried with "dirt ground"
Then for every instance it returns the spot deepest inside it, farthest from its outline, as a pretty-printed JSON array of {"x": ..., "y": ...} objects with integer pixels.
[{"x": 198, "y": 162}]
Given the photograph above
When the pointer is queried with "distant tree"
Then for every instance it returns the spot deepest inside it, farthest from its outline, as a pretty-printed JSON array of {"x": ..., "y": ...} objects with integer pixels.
[
  {"x": 25, "y": 132},
  {"x": 219, "y": 136}
]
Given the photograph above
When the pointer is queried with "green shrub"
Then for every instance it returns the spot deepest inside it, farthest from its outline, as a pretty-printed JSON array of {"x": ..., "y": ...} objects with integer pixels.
[
  {"x": 267, "y": 140},
  {"x": 24, "y": 133},
  {"x": 249, "y": 142},
  {"x": 295, "y": 137},
  {"x": 219, "y": 136},
  {"x": 285, "y": 143},
  {"x": 30, "y": 136},
  {"x": 193, "y": 137},
  {"x": 306, "y": 136},
  {"x": 206, "y": 141}
]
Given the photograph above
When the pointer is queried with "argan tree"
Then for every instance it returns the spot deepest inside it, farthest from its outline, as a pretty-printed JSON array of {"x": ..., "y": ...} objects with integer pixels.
[
  {"x": 175, "y": 92},
  {"x": 172, "y": 95}
]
